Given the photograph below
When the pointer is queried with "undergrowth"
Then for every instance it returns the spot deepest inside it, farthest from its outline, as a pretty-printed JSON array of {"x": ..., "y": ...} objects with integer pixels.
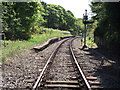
[{"x": 90, "y": 42}]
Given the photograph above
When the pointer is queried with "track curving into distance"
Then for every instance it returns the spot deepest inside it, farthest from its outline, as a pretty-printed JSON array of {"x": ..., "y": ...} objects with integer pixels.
[{"x": 62, "y": 70}]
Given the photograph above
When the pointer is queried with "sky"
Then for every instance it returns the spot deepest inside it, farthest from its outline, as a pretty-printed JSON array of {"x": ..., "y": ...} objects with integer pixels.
[{"x": 77, "y": 7}]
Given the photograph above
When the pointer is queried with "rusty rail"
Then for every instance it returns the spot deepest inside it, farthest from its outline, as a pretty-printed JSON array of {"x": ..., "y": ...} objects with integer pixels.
[
  {"x": 41, "y": 74},
  {"x": 80, "y": 70},
  {"x": 49, "y": 60}
]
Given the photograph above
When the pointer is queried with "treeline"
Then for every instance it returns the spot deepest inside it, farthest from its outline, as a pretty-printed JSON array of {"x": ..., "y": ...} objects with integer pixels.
[
  {"x": 22, "y": 19},
  {"x": 107, "y": 33}
]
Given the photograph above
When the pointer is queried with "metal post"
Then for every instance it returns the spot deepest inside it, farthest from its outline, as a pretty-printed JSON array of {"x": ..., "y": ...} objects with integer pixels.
[
  {"x": 85, "y": 21},
  {"x": 85, "y": 29},
  {"x": 85, "y": 17}
]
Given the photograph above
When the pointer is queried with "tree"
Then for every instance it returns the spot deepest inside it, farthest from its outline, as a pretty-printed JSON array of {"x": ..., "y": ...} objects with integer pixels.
[
  {"x": 107, "y": 30},
  {"x": 19, "y": 19},
  {"x": 57, "y": 17}
]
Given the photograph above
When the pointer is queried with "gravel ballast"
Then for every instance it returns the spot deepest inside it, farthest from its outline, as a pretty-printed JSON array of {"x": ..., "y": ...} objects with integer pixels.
[
  {"x": 98, "y": 65},
  {"x": 18, "y": 71},
  {"x": 23, "y": 70}
]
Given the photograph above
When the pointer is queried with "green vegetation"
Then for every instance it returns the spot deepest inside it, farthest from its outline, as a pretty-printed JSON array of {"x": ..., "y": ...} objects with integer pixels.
[
  {"x": 57, "y": 17},
  {"x": 90, "y": 42},
  {"x": 26, "y": 23},
  {"x": 90, "y": 35},
  {"x": 22, "y": 19},
  {"x": 107, "y": 32},
  {"x": 13, "y": 48}
]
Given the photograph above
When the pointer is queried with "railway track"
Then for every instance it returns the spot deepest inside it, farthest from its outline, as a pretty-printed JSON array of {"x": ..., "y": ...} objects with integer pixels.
[{"x": 62, "y": 71}]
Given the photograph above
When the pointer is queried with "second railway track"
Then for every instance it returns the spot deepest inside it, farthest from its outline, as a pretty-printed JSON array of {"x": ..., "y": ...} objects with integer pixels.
[{"x": 62, "y": 70}]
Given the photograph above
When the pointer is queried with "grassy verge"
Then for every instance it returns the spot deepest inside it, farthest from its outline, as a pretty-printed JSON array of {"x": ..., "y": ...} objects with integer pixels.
[
  {"x": 90, "y": 42},
  {"x": 13, "y": 48}
]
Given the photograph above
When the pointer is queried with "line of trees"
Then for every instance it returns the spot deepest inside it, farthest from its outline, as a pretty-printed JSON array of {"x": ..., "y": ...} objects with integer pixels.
[
  {"x": 107, "y": 33},
  {"x": 22, "y": 19}
]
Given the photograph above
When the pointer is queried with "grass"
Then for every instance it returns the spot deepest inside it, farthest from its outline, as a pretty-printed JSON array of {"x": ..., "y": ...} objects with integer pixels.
[
  {"x": 13, "y": 48},
  {"x": 90, "y": 42}
]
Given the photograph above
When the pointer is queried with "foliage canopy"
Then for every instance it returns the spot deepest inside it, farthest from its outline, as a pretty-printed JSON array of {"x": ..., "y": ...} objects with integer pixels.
[
  {"x": 108, "y": 28},
  {"x": 22, "y": 19}
]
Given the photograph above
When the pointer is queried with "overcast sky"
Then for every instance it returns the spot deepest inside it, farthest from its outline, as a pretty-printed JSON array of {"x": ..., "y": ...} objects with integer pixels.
[{"x": 77, "y": 7}]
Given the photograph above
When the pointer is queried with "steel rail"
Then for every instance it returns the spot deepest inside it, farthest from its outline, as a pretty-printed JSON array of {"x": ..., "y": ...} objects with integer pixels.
[
  {"x": 51, "y": 56},
  {"x": 80, "y": 70}
]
